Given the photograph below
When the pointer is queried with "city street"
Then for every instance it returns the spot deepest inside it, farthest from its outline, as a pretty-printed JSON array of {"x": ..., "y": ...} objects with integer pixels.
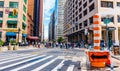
[
  {"x": 40, "y": 60},
  {"x": 43, "y": 59}
]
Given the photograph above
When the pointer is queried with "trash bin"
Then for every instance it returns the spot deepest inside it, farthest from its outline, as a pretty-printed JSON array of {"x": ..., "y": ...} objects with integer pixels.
[{"x": 116, "y": 50}]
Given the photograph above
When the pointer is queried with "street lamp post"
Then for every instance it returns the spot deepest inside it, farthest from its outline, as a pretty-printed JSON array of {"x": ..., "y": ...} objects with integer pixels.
[
  {"x": 18, "y": 35},
  {"x": 107, "y": 21}
]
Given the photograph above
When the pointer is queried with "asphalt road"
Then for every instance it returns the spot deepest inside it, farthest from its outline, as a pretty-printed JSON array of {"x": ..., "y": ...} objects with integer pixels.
[{"x": 54, "y": 59}]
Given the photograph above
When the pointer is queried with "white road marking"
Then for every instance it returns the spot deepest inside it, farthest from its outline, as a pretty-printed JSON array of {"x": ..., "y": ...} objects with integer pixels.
[
  {"x": 59, "y": 66},
  {"x": 11, "y": 57},
  {"x": 27, "y": 65},
  {"x": 44, "y": 65},
  {"x": 16, "y": 59},
  {"x": 70, "y": 68},
  {"x": 7, "y": 66}
]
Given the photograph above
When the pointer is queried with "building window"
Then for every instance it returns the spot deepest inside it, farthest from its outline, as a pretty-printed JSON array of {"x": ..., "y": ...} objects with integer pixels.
[
  {"x": 90, "y": 1},
  {"x": 76, "y": 19},
  {"x": 24, "y": 17},
  {"x": 0, "y": 35},
  {"x": 91, "y": 7},
  {"x": 91, "y": 20},
  {"x": 85, "y": 23},
  {"x": 107, "y": 4},
  {"x": 85, "y": 12},
  {"x": 80, "y": 3},
  {"x": 24, "y": 26},
  {"x": 85, "y": 4},
  {"x": 76, "y": 27},
  {"x": 118, "y": 18},
  {"x": 13, "y": 4},
  {"x": 80, "y": 9},
  {"x": 24, "y": 8},
  {"x": 1, "y": 22},
  {"x": 73, "y": 29},
  {"x": 1, "y": 4},
  {"x": 12, "y": 25},
  {"x": 76, "y": 7},
  {"x": 12, "y": 16},
  {"x": 76, "y": 13},
  {"x": 80, "y": 25},
  {"x": 118, "y": 4},
  {"x": 1, "y": 14},
  {"x": 25, "y": 1},
  {"x": 80, "y": 16}
]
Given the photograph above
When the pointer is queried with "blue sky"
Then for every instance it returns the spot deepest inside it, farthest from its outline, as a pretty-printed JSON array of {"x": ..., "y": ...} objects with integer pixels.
[{"x": 48, "y": 9}]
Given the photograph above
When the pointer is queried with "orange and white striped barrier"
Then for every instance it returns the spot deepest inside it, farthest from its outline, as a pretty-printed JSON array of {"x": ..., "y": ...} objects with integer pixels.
[
  {"x": 96, "y": 29},
  {"x": 97, "y": 58}
]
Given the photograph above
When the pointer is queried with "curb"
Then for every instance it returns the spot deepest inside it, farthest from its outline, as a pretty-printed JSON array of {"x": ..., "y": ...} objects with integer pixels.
[{"x": 115, "y": 57}]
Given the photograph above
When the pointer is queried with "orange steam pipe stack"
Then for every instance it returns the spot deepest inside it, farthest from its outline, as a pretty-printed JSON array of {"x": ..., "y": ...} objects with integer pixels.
[{"x": 97, "y": 58}]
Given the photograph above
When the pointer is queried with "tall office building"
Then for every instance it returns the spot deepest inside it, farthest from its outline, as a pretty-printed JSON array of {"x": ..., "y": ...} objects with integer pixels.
[
  {"x": 60, "y": 18},
  {"x": 52, "y": 27},
  {"x": 78, "y": 18},
  {"x": 38, "y": 18},
  {"x": 13, "y": 15},
  {"x": 30, "y": 9},
  {"x": 30, "y": 23}
]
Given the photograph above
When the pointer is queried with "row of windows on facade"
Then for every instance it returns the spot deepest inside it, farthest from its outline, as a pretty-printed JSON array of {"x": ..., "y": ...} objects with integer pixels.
[
  {"x": 11, "y": 15},
  {"x": 85, "y": 11},
  {"x": 91, "y": 7},
  {"x": 91, "y": 21},
  {"x": 11, "y": 4},
  {"x": 108, "y": 4},
  {"x": 78, "y": 2},
  {"x": 12, "y": 26}
]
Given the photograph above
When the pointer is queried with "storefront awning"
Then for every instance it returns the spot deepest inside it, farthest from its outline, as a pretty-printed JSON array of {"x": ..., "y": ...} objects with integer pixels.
[
  {"x": 32, "y": 37},
  {"x": 11, "y": 22},
  {"x": 24, "y": 35},
  {"x": 10, "y": 34},
  {"x": 1, "y": 21}
]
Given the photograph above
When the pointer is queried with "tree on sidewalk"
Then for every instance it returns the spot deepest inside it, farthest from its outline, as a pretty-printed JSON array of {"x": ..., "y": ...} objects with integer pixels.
[{"x": 60, "y": 39}]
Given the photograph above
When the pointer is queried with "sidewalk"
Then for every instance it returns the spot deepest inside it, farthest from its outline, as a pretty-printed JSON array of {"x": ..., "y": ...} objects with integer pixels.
[
  {"x": 5, "y": 48},
  {"x": 116, "y": 57}
]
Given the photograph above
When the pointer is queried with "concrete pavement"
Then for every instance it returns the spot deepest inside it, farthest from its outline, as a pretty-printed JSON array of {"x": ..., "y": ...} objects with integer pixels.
[{"x": 5, "y": 48}]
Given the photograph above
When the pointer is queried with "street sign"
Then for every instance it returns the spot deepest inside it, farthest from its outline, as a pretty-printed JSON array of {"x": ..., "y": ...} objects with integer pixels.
[
  {"x": 111, "y": 28},
  {"x": 106, "y": 20}
]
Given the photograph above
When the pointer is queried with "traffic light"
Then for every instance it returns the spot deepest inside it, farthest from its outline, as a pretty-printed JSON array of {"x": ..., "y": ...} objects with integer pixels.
[{"x": 14, "y": 12}]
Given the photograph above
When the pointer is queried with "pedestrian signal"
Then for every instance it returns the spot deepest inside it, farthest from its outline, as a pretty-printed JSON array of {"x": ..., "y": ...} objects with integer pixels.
[{"x": 14, "y": 12}]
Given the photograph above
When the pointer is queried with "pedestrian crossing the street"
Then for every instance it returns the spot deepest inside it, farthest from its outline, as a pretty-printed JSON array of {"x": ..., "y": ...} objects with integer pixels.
[{"x": 34, "y": 62}]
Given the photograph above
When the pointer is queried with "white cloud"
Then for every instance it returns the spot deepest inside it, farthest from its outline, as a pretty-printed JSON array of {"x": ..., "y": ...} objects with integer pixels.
[
  {"x": 48, "y": 5},
  {"x": 46, "y": 18}
]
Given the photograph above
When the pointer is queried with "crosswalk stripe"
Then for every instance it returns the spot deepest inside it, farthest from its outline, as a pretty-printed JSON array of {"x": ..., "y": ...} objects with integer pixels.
[
  {"x": 70, "y": 68},
  {"x": 59, "y": 66},
  {"x": 25, "y": 66},
  {"x": 7, "y": 66},
  {"x": 6, "y": 55},
  {"x": 44, "y": 65},
  {"x": 11, "y": 57},
  {"x": 16, "y": 59}
]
